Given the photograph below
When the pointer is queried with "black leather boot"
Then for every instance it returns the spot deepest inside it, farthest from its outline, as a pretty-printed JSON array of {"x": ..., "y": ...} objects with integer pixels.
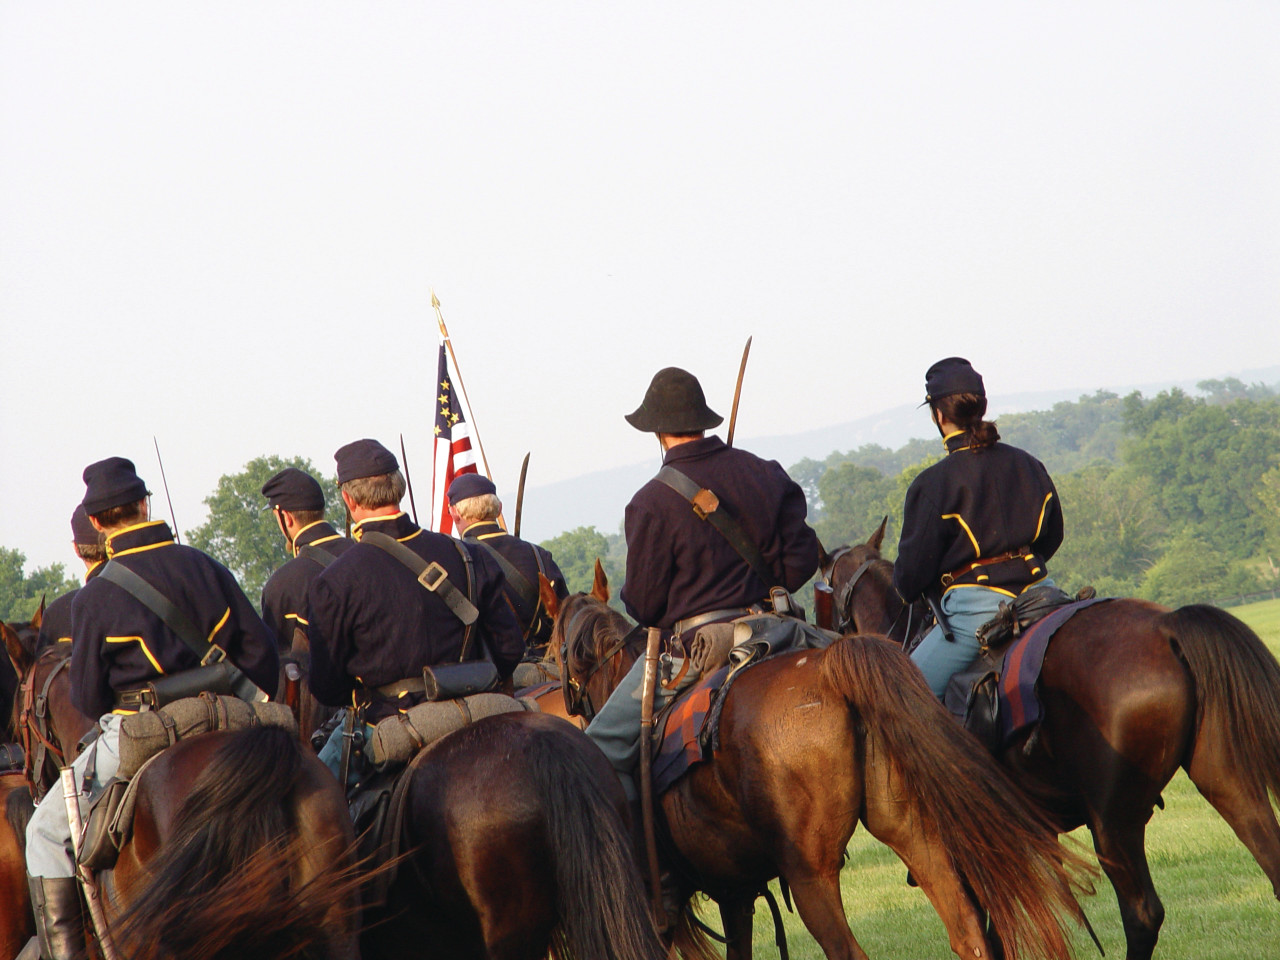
[{"x": 59, "y": 917}]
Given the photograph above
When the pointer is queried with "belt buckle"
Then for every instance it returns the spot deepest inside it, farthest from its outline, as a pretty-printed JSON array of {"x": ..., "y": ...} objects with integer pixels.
[
  {"x": 947, "y": 579},
  {"x": 433, "y": 576},
  {"x": 208, "y": 658}
]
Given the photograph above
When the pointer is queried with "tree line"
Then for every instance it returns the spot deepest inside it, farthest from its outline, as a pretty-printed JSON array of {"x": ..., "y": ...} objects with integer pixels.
[{"x": 1174, "y": 498}]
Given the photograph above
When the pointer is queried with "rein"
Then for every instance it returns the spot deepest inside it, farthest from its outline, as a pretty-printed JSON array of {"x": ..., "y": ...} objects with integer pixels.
[
  {"x": 843, "y": 601},
  {"x": 579, "y": 702},
  {"x": 33, "y": 722}
]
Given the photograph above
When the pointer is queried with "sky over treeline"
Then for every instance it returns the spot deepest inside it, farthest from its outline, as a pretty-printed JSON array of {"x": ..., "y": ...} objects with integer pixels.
[{"x": 220, "y": 223}]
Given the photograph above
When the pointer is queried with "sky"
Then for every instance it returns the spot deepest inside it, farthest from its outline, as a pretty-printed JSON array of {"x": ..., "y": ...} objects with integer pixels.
[{"x": 221, "y": 223}]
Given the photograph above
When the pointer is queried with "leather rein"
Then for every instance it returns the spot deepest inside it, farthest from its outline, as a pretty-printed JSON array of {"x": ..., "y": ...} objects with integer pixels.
[{"x": 577, "y": 696}]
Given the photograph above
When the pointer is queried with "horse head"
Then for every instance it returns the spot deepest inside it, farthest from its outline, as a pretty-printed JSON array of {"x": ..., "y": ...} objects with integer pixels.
[
  {"x": 588, "y": 635},
  {"x": 865, "y": 600}
]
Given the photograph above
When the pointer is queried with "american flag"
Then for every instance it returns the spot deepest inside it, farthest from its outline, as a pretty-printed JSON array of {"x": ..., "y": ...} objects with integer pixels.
[{"x": 452, "y": 451}]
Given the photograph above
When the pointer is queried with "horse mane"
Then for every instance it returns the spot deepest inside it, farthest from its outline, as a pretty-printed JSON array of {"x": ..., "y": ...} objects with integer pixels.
[{"x": 596, "y": 628}]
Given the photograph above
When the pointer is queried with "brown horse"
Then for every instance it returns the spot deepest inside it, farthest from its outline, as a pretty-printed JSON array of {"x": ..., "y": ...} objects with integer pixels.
[
  {"x": 17, "y": 925},
  {"x": 518, "y": 840},
  {"x": 813, "y": 742},
  {"x": 1131, "y": 691},
  {"x": 233, "y": 832}
]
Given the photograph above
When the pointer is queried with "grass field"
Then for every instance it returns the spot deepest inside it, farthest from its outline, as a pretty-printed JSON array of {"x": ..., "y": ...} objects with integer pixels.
[{"x": 1218, "y": 904}]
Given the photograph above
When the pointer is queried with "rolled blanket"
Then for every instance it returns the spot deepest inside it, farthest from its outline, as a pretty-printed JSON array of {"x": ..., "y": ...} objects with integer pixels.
[
  {"x": 530, "y": 674},
  {"x": 709, "y": 649},
  {"x": 143, "y": 735},
  {"x": 396, "y": 739}
]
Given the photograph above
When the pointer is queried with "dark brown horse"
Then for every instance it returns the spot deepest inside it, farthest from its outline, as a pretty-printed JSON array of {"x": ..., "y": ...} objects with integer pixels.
[
  {"x": 518, "y": 842},
  {"x": 1131, "y": 691},
  {"x": 813, "y": 742},
  {"x": 241, "y": 842}
]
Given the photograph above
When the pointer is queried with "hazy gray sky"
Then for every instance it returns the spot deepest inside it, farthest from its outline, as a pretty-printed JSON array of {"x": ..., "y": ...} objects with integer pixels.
[{"x": 219, "y": 223}]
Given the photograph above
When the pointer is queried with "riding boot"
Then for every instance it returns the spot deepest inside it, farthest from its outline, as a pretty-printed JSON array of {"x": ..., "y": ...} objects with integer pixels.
[{"x": 59, "y": 916}]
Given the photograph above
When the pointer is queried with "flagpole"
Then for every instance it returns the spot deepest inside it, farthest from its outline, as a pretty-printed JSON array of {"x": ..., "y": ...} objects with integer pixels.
[{"x": 444, "y": 334}]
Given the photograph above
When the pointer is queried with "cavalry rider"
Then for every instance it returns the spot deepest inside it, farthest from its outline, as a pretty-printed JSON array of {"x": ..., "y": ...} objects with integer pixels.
[
  {"x": 374, "y": 625},
  {"x": 978, "y": 526},
  {"x": 120, "y": 644},
  {"x": 297, "y": 501},
  {"x": 55, "y": 626},
  {"x": 682, "y": 571},
  {"x": 475, "y": 508}
]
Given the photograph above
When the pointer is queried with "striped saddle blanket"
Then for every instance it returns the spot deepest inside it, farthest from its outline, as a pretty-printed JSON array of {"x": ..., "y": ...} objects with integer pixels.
[{"x": 678, "y": 731}]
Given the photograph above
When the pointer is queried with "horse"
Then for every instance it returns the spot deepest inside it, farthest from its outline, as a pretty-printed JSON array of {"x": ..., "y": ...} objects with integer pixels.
[
  {"x": 813, "y": 742},
  {"x": 518, "y": 842},
  {"x": 241, "y": 843},
  {"x": 1131, "y": 691}
]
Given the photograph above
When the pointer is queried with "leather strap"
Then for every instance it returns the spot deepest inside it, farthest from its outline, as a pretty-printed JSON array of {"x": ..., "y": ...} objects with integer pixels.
[
  {"x": 431, "y": 575},
  {"x": 317, "y": 554},
  {"x": 707, "y": 507},
  {"x": 392, "y": 691},
  {"x": 711, "y": 616},
  {"x": 178, "y": 622},
  {"x": 526, "y": 595}
]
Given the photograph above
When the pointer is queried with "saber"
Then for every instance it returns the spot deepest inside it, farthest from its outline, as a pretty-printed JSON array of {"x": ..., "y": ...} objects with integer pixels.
[
  {"x": 404, "y": 458},
  {"x": 87, "y": 880},
  {"x": 648, "y": 690},
  {"x": 737, "y": 392},
  {"x": 524, "y": 471},
  {"x": 163, "y": 479}
]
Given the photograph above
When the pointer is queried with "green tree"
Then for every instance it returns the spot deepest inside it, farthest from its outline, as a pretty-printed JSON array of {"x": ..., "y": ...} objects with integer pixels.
[
  {"x": 241, "y": 533},
  {"x": 576, "y": 552},
  {"x": 854, "y": 499},
  {"x": 20, "y": 592},
  {"x": 1114, "y": 530},
  {"x": 1193, "y": 571}
]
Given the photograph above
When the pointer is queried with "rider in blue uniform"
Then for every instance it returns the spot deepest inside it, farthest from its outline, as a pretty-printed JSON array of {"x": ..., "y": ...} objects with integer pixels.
[
  {"x": 119, "y": 645},
  {"x": 55, "y": 626},
  {"x": 978, "y": 527}
]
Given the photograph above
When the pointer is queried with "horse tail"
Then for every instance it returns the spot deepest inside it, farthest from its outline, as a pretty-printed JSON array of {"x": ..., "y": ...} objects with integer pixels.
[
  {"x": 1009, "y": 853},
  {"x": 219, "y": 887},
  {"x": 1237, "y": 682},
  {"x": 602, "y": 907}
]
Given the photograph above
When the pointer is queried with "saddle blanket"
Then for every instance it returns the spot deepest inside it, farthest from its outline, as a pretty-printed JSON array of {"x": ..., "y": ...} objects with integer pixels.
[
  {"x": 1020, "y": 670},
  {"x": 678, "y": 729}
]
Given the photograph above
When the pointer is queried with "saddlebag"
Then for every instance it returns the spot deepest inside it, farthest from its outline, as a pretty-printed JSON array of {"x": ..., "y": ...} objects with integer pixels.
[
  {"x": 99, "y": 847},
  {"x": 396, "y": 739},
  {"x": 448, "y": 681},
  {"x": 143, "y": 735}
]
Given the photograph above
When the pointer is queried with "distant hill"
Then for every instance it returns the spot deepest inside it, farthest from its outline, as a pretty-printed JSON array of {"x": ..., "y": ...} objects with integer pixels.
[{"x": 599, "y": 498}]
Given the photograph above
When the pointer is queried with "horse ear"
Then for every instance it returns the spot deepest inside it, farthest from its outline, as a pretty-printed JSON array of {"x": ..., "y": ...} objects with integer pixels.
[
  {"x": 877, "y": 538},
  {"x": 39, "y": 617},
  {"x": 18, "y": 654},
  {"x": 823, "y": 557},
  {"x": 600, "y": 587},
  {"x": 550, "y": 599}
]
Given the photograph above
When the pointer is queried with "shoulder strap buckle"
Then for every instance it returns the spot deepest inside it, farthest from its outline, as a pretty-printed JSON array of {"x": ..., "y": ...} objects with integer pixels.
[
  {"x": 704, "y": 503},
  {"x": 432, "y": 576},
  {"x": 215, "y": 654}
]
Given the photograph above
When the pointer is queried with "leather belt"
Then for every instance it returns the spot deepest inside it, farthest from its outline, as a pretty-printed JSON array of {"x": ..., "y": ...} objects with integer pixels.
[
  {"x": 1023, "y": 553},
  {"x": 712, "y": 616},
  {"x": 134, "y": 699},
  {"x": 393, "y": 691}
]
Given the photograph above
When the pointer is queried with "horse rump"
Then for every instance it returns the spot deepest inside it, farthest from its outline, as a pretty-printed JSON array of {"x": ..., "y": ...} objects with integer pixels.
[
  {"x": 223, "y": 882},
  {"x": 1006, "y": 850}
]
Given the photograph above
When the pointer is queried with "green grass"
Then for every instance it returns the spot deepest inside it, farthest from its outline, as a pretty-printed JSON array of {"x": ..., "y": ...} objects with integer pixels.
[{"x": 1218, "y": 904}]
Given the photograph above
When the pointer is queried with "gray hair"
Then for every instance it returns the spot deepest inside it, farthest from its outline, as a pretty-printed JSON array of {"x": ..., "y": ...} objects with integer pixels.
[{"x": 383, "y": 490}]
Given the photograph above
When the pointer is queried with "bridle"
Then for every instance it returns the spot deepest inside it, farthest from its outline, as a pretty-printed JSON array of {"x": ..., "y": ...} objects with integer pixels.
[
  {"x": 842, "y": 603},
  {"x": 577, "y": 698},
  {"x": 34, "y": 729}
]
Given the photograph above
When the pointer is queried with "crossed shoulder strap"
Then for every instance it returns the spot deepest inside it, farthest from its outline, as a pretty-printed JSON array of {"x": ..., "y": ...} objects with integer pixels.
[
  {"x": 707, "y": 507},
  {"x": 526, "y": 594},
  {"x": 317, "y": 555},
  {"x": 435, "y": 579},
  {"x": 177, "y": 621}
]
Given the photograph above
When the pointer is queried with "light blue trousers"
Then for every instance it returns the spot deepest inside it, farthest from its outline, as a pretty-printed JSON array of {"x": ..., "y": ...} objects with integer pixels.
[
  {"x": 49, "y": 832},
  {"x": 964, "y": 609},
  {"x": 616, "y": 726}
]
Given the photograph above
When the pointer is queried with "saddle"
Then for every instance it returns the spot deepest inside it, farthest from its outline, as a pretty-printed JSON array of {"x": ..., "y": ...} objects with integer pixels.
[
  {"x": 973, "y": 694},
  {"x": 143, "y": 738},
  {"x": 687, "y": 730}
]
